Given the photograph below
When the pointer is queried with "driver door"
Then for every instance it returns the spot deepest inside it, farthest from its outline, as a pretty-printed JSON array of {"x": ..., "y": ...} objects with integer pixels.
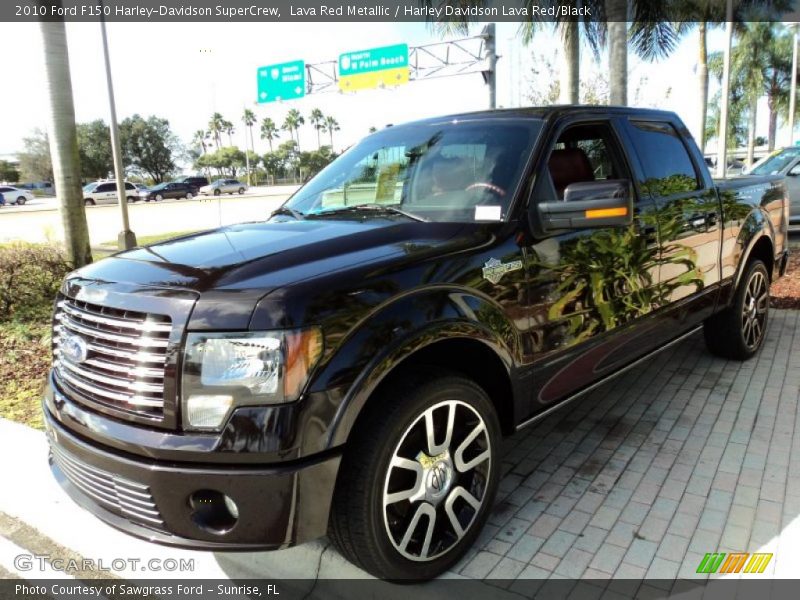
[{"x": 590, "y": 289}]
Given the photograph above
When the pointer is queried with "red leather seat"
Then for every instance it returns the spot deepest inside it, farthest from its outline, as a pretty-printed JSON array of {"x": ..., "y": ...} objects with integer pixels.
[{"x": 570, "y": 165}]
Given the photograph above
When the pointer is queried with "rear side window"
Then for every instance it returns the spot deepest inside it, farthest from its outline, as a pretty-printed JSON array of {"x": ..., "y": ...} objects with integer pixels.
[
  {"x": 105, "y": 187},
  {"x": 667, "y": 166}
]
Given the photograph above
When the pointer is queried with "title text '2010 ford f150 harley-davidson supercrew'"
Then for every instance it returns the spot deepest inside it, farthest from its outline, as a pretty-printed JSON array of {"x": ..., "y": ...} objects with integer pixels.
[{"x": 349, "y": 366}]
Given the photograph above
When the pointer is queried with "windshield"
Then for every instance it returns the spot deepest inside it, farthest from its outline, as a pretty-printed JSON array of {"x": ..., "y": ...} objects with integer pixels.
[
  {"x": 773, "y": 165},
  {"x": 160, "y": 186},
  {"x": 447, "y": 171},
  {"x": 89, "y": 187}
]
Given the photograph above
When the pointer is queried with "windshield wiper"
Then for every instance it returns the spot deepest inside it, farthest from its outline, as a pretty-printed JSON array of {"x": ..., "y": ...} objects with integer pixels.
[
  {"x": 285, "y": 210},
  {"x": 375, "y": 208}
]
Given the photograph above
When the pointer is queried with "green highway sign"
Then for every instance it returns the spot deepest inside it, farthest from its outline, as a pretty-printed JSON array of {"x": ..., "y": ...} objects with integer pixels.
[
  {"x": 283, "y": 81},
  {"x": 387, "y": 65}
]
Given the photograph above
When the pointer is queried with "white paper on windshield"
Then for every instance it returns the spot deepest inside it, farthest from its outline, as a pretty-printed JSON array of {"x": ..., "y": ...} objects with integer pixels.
[{"x": 488, "y": 213}]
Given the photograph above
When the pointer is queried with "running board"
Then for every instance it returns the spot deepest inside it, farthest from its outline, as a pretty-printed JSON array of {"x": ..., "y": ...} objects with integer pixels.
[{"x": 606, "y": 379}]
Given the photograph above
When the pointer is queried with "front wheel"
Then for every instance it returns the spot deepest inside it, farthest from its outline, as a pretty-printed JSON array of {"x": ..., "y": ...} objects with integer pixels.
[
  {"x": 217, "y": 192},
  {"x": 241, "y": 191},
  {"x": 159, "y": 197},
  {"x": 21, "y": 201},
  {"x": 188, "y": 195},
  {"x": 738, "y": 331},
  {"x": 418, "y": 480},
  {"x": 88, "y": 202}
]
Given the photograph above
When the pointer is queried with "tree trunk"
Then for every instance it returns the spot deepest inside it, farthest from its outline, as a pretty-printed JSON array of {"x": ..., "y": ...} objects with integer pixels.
[
  {"x": 64, "y": 144},
  {"x": 702, "y": 83},
  {"x": 570, "y": 71},
  {"x": 331, "y": 134},
  {"x": 319, "y": 140},
  {"x": 773, "y": 123},
  {"x": 617, "y": 15},
  {"x": 751, "y": 131}
]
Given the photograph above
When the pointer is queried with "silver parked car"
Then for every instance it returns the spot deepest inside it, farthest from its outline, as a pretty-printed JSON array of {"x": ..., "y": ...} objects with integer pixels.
[
  {"x": 223, "y": 186},
  {"x": 785, "y": 161}
]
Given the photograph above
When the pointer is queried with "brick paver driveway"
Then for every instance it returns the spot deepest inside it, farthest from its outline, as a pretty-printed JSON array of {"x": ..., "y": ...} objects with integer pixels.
[{"x": 683, "y": 455}]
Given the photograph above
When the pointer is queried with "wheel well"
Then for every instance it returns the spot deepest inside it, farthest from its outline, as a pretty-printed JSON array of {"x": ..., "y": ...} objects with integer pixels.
[
  {"x": 763, "y": 251},
  {"x": 469, "y": 358}
]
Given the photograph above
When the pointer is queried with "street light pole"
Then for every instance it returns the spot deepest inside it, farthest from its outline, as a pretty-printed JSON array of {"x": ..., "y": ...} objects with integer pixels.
[
  {"x": 722, "y": 137},
  {"x": 126, "y": 238},
  {"x": 793, "y": 96},
  {"x": 246, "y": 154}
]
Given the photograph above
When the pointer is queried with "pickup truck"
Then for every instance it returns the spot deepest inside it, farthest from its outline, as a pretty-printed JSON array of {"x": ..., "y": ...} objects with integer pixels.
[
  {"x": 786, "y": 162},
  {"x": 350, "y": 365}
]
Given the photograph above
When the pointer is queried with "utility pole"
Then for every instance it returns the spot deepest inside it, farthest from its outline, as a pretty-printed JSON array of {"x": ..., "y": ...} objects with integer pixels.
[
  {"x": 490, "y": 73},
  {"x": 793, "y": 96},
  {"x": 722, "y": 136},
  {"x": 126, "y": 238}
]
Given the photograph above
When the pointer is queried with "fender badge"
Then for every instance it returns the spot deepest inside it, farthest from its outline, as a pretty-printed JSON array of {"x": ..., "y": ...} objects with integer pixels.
[{"x": 493, "y": 269}]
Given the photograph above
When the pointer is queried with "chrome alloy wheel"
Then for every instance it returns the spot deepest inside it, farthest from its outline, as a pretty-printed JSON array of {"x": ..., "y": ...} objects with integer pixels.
[
  {"x": 436, "y": 480},
  {"x": 754, "y": 309}
]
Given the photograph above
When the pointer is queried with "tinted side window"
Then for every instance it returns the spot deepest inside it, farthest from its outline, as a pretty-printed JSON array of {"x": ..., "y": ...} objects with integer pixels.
[
  {"x": 668, "y": 169},
  {"x": 129, "y": 186},
  {"x": 105, "y": 187}
]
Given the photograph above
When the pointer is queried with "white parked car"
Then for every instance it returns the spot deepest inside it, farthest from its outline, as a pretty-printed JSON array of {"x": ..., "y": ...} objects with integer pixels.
[
  {"x": 223, "y": 186},
  {"x": 105, "y": 192},
  {"x": 14, "y": 195}
]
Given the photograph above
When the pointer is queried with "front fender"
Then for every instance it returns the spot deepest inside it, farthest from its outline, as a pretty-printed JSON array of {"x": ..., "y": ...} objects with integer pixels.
[{"x": 399, "y": 329}]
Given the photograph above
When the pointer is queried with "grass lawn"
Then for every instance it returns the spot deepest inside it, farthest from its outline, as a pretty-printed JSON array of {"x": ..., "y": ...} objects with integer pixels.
[{"x": 24, "y": 360}]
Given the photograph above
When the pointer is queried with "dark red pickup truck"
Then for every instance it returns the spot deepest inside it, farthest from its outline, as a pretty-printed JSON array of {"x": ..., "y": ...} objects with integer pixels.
[{"x": 349, "y": 365}]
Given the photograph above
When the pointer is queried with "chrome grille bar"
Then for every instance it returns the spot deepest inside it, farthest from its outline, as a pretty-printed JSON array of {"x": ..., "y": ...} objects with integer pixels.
[
  {"x": 122, "y": 496},
  {"x": 124, "y": 354}
]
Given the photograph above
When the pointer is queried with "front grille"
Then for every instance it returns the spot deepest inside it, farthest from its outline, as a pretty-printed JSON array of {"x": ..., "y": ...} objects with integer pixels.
[
  {"x": 121, "y": 496},
  {"x": 123, "y": 358}
]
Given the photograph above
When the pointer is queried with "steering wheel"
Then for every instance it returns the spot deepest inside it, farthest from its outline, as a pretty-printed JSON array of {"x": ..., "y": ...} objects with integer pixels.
[{"x": 489, "y": 187}]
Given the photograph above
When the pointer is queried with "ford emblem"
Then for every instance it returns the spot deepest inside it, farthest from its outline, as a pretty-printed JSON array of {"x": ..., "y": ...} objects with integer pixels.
[{"x": 74, "y": 348}]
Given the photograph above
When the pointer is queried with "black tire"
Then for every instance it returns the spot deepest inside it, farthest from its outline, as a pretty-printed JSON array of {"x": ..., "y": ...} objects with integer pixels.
[
  {"x": 189, "y": 195},
  {"x": 131, "y": 199},
  {"x": 241, "y": 191},
  {"x": 21, "y": 201},
  {"x": 217, "y": 192},
  {"x": 738, "y": 331},
  {"x": 379, "y": 537},
  {"x": 89, "y": 202},
  {"x": 159, "y": 198}
]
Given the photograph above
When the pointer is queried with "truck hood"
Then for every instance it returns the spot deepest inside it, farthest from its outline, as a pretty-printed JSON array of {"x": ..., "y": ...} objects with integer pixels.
[{"x": 259, "y": 257}]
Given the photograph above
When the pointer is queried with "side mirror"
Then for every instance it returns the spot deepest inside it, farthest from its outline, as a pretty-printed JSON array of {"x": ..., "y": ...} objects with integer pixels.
[
  {"x": 606, "y": 203},
  {"x": 794, "y": 171}
]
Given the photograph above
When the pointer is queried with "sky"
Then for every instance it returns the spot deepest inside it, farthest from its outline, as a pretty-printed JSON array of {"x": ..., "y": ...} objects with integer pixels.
[{"x": 184, "y": 72}]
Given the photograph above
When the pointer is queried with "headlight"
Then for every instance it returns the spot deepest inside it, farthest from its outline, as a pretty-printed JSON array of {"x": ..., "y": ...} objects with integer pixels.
[{"x": 224, "y": 370}]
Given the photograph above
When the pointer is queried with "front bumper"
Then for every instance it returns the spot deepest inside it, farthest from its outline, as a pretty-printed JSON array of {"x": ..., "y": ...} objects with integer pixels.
[{"x": 279, "y": 505}]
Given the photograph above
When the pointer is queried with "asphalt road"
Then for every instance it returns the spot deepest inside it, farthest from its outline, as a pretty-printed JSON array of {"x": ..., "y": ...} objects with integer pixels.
[{"x": 40, "y": 221}]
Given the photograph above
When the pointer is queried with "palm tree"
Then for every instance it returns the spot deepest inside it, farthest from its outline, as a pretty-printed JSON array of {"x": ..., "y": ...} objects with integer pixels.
[
  {"x": 63, "y": 138},
  {"x": 292, "y": 124},
  {"x": 269, "y": 131},
  {"x": 317, "y": 120},
  {"x": 216, "y": 127},
  {"x": 249, "y": 119},
  {"x": 593, "y": 32},
  {"x": 705, "y": 14},
  {"x": 330, "y": 126},
  {"x": 228, "y": 128},
  {"x": 199, "y": 140}
]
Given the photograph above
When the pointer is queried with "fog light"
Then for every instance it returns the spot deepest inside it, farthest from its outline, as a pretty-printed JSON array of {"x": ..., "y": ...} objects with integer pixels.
[
  {"x": 213, "y": 511},
  {"x": 207, "y": 411}
]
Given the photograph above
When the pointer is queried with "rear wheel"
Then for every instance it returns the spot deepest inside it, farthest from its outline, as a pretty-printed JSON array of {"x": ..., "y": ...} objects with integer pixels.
[
  {"x": 418, "y": 479},
  {"x": 217, "y": 192},
  {"x": 159, "y": 197},
  {"x": 738, "y": 331},
  {"x": 188, "y": 195},
  {"x": 131, "y": 199},
  {"x": 241, "y": 190},
  {"x": 21, "y": 200}
]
